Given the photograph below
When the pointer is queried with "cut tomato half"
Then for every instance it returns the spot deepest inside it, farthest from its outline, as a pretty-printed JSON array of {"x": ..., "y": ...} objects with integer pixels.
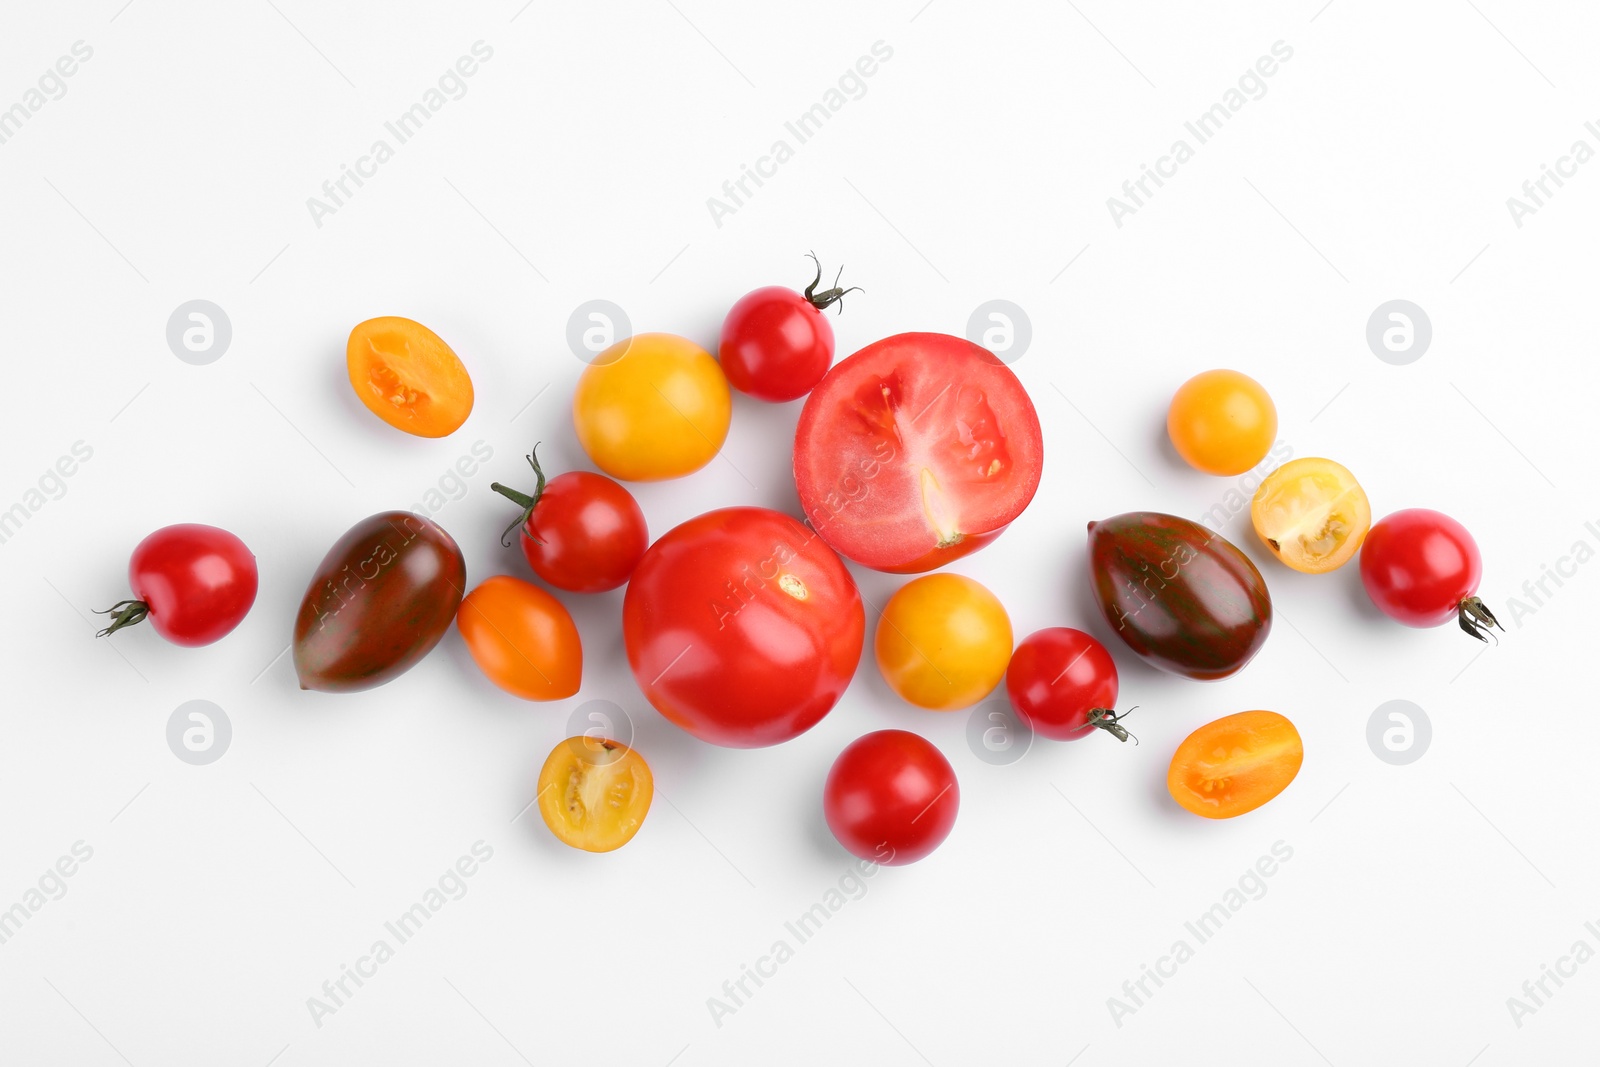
[
  {"x": 1312, "y": 513},
  {"x": 594, "y": 793},
  {"x": 915, "y": 451},
  {"x": 407, "y": 376}
]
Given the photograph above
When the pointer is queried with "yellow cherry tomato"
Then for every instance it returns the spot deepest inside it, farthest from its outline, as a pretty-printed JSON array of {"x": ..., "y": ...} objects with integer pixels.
[
  {"x": 1222, "y": 422},
  {"x": 1312, "y": 513},
  {"x": 594, "y": 793},
  {"x": 943, "y": 642},
  {"x": 651, "y": 407}
]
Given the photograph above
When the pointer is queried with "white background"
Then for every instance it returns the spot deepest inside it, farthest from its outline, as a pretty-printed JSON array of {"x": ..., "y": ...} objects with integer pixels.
[{"x": 977, "y": 166}]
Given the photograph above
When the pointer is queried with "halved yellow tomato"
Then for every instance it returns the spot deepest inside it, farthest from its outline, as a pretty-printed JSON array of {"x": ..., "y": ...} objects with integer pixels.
[
  {"x": 1235, "y": 764},
  {"x": 1312, "y": 513},
  {"x": 594, "y": 793},
  {"x": 408, "y": 376}
]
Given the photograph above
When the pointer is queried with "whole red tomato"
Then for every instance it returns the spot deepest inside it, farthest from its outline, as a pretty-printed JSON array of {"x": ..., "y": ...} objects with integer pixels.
[
  {"x": 1422, "y": 568},
  {"x": 194, "y": 583},
  {"x": 742, "y": 627},
  {"x": 915, "y": 451},
  {"x": 581, "y": 532},
  {"x": 776, "y": 345},
  {"x": 1063, "y": 683},
  {"x": 891, "y": 797}
]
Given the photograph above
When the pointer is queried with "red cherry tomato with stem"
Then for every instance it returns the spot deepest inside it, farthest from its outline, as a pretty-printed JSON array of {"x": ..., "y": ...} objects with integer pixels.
[
  {"x": 1422, "y": 568},
  {"x": 194, "y": 583},
  {"x": 581, "y": 532},
  {"x": 776, "y": 345},
  {"x": 1063, "y": 684},
  {"x": 891, "y": 797}
]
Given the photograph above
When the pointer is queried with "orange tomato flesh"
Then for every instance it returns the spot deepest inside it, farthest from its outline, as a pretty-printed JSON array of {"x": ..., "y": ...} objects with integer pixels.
[
  {"x": 407, "y": 376},
  {"x": 594, "y": 793},
  {"x": 1235, "y": 764},
  {"x": 1312, "y": 513}
]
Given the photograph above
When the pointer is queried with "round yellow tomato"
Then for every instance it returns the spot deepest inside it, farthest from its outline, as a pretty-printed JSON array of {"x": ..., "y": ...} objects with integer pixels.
[
  {"x": 594, "y": 793},
  {"x": 1312, "y": 513},
  {"x": 943, "y": 642},
  {"x": 1222, "y": 422},
  {"x": 651, "y": 407}
]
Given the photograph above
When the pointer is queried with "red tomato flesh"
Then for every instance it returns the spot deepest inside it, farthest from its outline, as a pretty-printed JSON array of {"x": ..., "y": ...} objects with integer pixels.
[{"x": 915, "y": 451}]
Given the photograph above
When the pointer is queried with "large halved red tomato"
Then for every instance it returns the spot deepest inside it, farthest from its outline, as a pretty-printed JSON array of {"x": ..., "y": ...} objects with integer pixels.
[{"x": 915, "y": 451}]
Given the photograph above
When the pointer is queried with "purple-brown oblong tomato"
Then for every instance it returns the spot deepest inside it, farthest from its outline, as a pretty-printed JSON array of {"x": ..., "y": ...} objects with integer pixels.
[
  {"x": 1178, "y": 594},
  {"x": 382, "y": 598},
  {"x": 742, "y": 627}
]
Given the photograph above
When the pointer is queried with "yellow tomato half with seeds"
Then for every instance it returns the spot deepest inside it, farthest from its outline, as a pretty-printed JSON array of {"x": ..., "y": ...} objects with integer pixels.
[
  {"x": 1235, "y": 764},
  {"x": 407, "y": 376},
  {"x": 594, "y": 793},
  {"x": 651, "y": 407},
  {"x": 1312, "y": 514}
]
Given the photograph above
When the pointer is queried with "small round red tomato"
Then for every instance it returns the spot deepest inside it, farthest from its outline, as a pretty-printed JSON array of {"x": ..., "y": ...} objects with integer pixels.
[
  {"x": 1063, "y": 683},
  {"x": 915, "y": 451},
  {"x": 1422, "y": 568},
  {"x": 776, "y": 345},
  {"x": 194, "y": 583},
  {"x": 581, "y": 532},
  {"x": 742, "y": 627},
  {"x": 891, "y": 797}
]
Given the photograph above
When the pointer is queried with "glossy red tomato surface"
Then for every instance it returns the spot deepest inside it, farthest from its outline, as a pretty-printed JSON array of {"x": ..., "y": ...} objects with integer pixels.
[
  {"x": 915, "y": 451},
  {"x": 1422, "y": 568},
  {"x": 775, "y": 344},
  {"x": 742, "y": 627},
  {"x": 1060, "y": 677},
  {"x": 891, "y": 797},
  {"x": 194, "y": 583},
  {"x": 580, "y": 531}
]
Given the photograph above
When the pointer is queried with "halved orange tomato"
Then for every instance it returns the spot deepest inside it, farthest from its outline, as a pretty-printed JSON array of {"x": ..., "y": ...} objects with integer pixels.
[
  {"x": 1235, "y": 764},
  {"x": 594, "y": 793},
  {"x": 1312, "y": 513},
  {"x": 408, "y": 376}
]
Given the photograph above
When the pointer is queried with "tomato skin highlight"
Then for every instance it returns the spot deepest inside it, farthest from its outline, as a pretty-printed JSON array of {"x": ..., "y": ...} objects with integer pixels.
[
  {"x": 522, "y": 639},
  {"x": 891, "y": 797},
  {"x": 197, "y": 582},
  {"x": 1056, "y": 677},
  {"x": 1418, "y": 566},
  {"x": 379, "y": 602},
  {"x": 742, "y": 627},
  {"x": 915, "y": 451},
  {"x": 1235, "y": 764},
  {"x": 1178, "y": 594},
  {"x": 587, "y": 534},
  {"x": 776, "y": 345},
  {"x": 407, "y": 376}
]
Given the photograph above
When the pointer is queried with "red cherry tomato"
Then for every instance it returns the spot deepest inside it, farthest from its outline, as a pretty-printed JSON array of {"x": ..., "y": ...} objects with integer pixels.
[
  {"x": 1422, "y": 568},
  {"x": 742, "y": 627},
  {"x": 194, "y": 583},
  {"x": 891, "y": 797},
  {"x": 915, "y": 451},
  {"x": 1063, "y": 683},
  {"x": 581, "y": 532},
  {"x": 776, "y": 345}
]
